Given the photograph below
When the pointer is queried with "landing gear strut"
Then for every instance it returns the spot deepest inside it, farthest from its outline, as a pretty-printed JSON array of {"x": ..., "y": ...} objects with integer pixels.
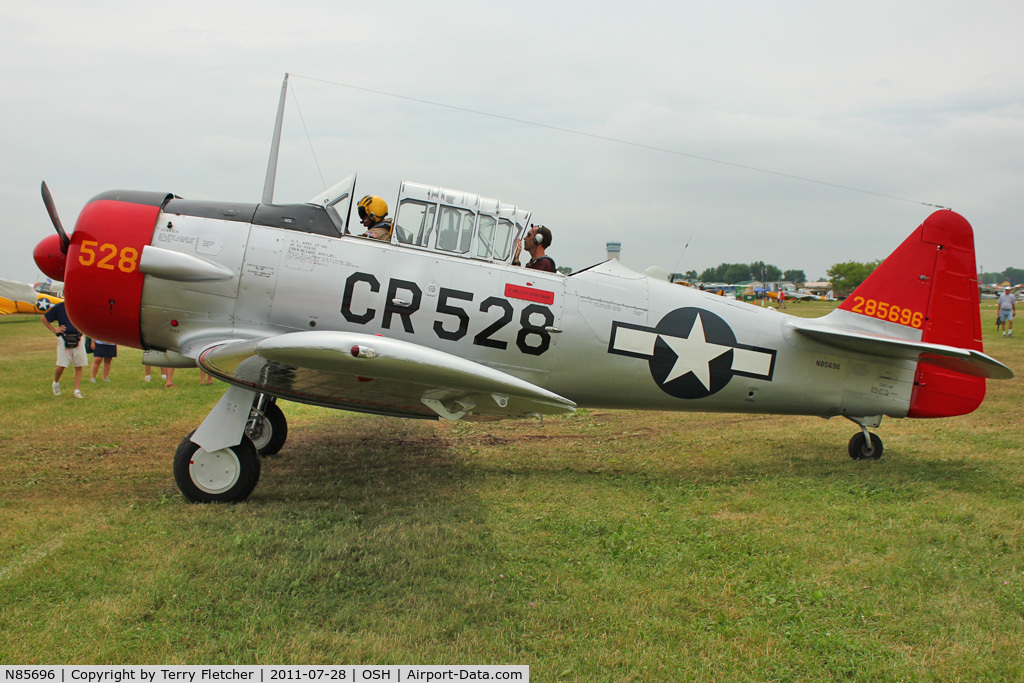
[
  {"x": 218, "y": 462},
  {"x": 267, "y": 426},
  {"x": 865, "y": 445}
]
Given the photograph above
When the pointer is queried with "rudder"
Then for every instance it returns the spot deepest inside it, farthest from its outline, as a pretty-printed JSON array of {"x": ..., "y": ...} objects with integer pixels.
[{"x": 929, "y": 284}]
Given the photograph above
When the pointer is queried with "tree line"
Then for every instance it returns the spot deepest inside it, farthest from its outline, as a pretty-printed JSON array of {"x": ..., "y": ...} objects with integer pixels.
[
  {"x": 847, "y": 276},
  {"x": 732, "y": 273},
  {"x": 1014, "y": 276},
  {"x": 844, "y": 277}
]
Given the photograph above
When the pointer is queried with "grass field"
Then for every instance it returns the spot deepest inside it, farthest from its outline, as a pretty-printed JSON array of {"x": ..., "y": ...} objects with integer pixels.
[{"x": 606, "y": 546}]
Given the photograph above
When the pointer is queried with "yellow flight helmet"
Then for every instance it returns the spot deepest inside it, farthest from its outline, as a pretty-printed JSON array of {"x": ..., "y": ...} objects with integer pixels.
[{"x": 372, "y": 206}]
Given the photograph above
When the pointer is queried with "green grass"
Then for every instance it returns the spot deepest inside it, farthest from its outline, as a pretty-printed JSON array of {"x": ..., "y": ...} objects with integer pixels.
[{"x": 602, "y": 546}]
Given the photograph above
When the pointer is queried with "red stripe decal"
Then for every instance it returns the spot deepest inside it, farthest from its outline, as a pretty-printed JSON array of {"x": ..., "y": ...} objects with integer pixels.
[{"x": 541, "y": 296}]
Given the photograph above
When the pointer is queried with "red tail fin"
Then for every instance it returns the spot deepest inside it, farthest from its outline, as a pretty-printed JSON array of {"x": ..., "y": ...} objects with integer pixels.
[{"x": 930, "y": 284}]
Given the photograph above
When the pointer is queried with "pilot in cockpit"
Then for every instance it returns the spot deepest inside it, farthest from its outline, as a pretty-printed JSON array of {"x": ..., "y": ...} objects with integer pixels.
[
  {"x": 373, "y": 213},
  {"x": 536, "y": 242}
]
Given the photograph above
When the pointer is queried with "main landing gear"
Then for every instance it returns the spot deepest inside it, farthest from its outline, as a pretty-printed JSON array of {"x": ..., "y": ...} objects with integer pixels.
[
  {"x": 266, "y": 426},
  {"x": 226, "y": 475},
  {"x": 220, "y": 461},
  {"x": 865, "y": 445}
]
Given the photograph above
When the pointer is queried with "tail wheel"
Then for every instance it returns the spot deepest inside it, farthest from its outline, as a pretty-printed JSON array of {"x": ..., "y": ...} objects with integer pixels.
[
  {"x": 225, "y": 476},
  {"x": 267, "y": 429},
  {"x": 861, "y": 449}
]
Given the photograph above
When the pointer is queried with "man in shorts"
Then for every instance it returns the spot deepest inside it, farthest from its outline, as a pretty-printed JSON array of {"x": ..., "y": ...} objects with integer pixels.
[
  {"x": 1007, "y": 308},
  {"x": 70, "y": 347}
]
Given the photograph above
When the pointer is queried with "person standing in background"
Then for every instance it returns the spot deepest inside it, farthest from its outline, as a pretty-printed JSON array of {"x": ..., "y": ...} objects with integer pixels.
[
  {"x": 70, "y": 347},
  {"x": 1007, "y": 309},
  {"x": 104, "y": 353}
]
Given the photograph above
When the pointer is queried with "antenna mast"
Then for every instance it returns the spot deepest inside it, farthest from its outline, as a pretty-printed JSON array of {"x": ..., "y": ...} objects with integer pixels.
[{"x": 275, "y": 146}]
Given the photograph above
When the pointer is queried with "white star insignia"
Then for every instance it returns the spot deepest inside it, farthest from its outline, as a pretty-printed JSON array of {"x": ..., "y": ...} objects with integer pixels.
[{"x": 694, "y": 354}]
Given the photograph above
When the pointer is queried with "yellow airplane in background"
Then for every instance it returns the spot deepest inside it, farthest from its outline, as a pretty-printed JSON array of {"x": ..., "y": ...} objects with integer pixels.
[
  {"x": 18, "y": 297},
  {"x": 794, "y": 295}
]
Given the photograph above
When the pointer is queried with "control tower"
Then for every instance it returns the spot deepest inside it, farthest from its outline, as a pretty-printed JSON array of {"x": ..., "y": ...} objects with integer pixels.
[{"x": 613, "y": 249}]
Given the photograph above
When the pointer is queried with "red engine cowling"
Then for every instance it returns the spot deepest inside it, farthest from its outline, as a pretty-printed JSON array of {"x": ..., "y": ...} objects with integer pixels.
[{"x": 102, "y": 280}]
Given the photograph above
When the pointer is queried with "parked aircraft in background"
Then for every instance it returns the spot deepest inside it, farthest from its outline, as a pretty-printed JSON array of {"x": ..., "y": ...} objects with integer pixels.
[
  {"x": 50, "y": 287},
  {"x": 993, "y": 291},
  {"x": 284, "y": 302},
  {"x": 798, "y": 295},
  {"x": 18, "y": 297}
]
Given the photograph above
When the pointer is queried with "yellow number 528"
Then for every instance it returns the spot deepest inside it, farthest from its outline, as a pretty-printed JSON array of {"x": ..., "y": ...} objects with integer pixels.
[{"x": 108, "y": 257}]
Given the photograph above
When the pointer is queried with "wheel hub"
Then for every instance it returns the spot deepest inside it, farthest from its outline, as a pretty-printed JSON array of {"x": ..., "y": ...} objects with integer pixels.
[
  {"x": 257, "y": 431},
  {"x": 214, "y": 472}
]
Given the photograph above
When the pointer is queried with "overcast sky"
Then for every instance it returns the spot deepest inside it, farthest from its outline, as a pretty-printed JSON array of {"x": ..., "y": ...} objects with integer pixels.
[{"x": 905, "y": 102}]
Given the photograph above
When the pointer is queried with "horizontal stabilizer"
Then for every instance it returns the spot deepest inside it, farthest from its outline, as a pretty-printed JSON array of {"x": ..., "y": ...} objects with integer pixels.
[{"x": 965, "y": 361}]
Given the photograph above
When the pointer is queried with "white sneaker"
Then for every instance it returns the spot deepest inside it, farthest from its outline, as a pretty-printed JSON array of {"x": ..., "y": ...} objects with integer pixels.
[
  {"x": 93, "y": 380},
  {"x": 147, "y": 378},
  {"x": 78, "y": 394},
  {"x": 56, "y": 388},
  {"x": 163, "y": 376}
]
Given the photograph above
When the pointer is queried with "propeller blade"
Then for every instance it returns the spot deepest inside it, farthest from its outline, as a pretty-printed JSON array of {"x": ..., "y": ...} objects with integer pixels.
[{"x": 51, "y": 209}]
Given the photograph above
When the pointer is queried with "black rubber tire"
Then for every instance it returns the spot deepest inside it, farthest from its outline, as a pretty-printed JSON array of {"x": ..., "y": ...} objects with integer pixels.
[
  {"x": 271, "y": 431},
  {"x": 859, "y": 449},
  {"x": 227, "y": 476}
]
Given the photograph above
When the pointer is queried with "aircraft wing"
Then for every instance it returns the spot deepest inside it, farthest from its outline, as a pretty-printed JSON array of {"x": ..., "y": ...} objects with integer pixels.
[
  {"x": 966, "y": 361},
  {"x": 375, "y": 374}
]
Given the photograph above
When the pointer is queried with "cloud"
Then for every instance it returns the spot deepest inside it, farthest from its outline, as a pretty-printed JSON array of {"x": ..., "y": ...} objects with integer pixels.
[{"x": 821, "y": 121}]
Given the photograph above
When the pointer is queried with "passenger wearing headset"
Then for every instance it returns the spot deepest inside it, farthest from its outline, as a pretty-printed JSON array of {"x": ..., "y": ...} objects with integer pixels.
[
  {"x": 372, "y": 214},
  {"x": 536, "y": 242}
]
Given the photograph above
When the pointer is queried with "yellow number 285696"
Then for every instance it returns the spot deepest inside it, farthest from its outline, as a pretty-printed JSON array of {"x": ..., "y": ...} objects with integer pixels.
[{"x": 886, "y": 311}]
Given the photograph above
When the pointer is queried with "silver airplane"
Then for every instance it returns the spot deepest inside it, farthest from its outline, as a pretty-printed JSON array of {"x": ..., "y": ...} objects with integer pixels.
[{"x": 286, "y": 302}]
